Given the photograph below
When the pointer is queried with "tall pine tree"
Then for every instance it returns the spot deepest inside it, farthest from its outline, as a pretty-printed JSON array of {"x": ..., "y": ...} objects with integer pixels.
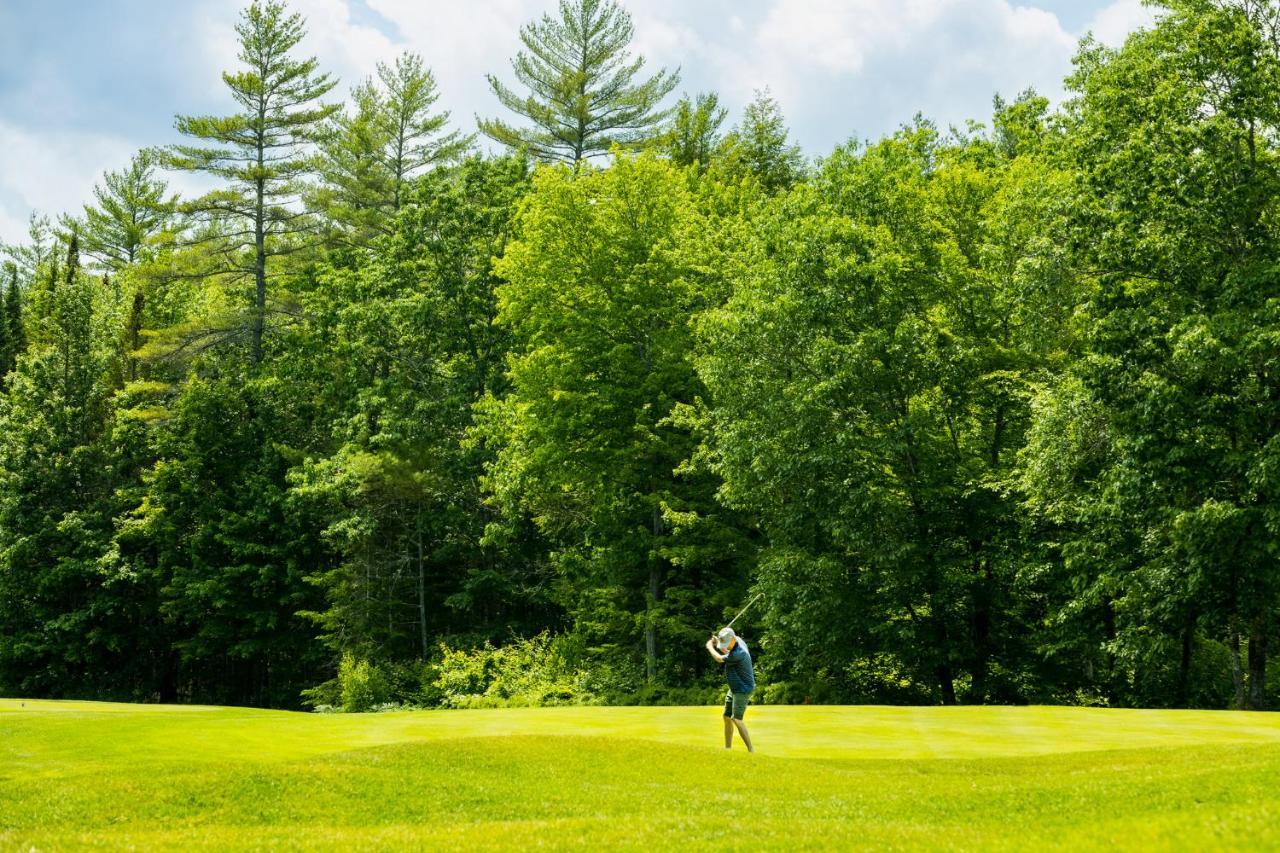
[
  {"x": 582, "y": 96},
  {"x": 261, "y": 152}
]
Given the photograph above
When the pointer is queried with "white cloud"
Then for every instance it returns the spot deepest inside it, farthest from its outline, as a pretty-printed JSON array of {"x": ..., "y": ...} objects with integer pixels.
[
  {"x": 461, "y": 42},
  {"x": 12, "y": 227},
  {"x": 344, "y": 47},
  {"x": 1112, "y": 24},
  {"x": 839, "y": 68},
  {"x": 54, "y": 174}
]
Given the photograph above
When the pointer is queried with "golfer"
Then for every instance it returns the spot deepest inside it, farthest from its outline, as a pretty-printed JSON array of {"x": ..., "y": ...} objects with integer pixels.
[{"x": 729, "y": 649}]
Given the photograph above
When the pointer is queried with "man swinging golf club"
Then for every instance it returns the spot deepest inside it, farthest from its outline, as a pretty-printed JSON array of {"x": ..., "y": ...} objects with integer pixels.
[{"x": 729, "y": 649}]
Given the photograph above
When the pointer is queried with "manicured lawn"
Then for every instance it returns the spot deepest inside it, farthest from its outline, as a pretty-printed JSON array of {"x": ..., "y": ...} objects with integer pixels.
[{"x": 78, "y": 774}]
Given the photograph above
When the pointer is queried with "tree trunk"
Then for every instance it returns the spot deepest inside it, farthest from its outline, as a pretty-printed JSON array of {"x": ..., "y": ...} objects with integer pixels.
[
  {"x": 259, "y": 278},
  {"x": 135, "y": 332},
  {"x": 1258, "y": 664},
  {"x": 422, "y": 592},
  {"x": 946, "y": 683},
  {"x": 1237, "y": 675},
  {"x": 945, "y": 675},
  {"x": 982, "y": 610},
  {"x": 651, "y": 628},
  {"x": 1109, "y": 633},
  {"x": 1184, "y": 666},
  {"x": 260, "y": 238}
]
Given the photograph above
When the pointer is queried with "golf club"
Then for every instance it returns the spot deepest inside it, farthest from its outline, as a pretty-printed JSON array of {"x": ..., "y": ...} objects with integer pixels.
[{"x": 744, "y": 609}]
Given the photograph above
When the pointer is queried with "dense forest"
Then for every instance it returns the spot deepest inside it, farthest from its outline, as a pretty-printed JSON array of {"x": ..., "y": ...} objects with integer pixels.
[{"x": 403, "y": 413}]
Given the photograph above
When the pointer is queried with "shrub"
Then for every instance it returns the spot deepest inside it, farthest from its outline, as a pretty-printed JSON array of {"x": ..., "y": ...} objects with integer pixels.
[
  {"x": 364, "y": 685},
  {"x": 528, "y": 672}
]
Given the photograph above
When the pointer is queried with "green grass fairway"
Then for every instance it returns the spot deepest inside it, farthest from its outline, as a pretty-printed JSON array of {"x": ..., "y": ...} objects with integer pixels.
[{"x": 80, "y": 774}]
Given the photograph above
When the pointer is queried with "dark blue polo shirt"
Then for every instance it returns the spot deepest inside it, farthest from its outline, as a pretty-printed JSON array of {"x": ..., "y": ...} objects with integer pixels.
[{"x": 737, "y": 669}]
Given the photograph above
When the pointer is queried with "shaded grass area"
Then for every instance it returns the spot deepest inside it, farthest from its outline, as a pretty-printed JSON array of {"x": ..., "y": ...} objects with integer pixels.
[{"x": 113, "y": 777}]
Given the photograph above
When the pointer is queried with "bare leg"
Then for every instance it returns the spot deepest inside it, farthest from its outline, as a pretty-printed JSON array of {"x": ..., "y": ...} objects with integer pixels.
[
  {"x": 728, "y": 732},
  {"x": 742, "y": 730}
]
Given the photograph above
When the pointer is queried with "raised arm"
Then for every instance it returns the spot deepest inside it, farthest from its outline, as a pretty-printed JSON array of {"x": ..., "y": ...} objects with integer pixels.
[{"x": 711, "y": 647}]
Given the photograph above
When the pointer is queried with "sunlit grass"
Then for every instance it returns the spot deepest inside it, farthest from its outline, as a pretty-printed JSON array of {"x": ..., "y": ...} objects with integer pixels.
[{"x": 90, "y": 774}]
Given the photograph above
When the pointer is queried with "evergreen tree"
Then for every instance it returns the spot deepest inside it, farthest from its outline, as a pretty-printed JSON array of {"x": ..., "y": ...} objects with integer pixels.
[
  {"x": 693, "y": 134},
  {"x": 355, "y": 184},
  {"x": 133, "y": 334},
  {"x": 760, "y": 144},
  {"x": 212, "y": 521},
  {"x": 55, "y": 509},
  {"x": 581, "y": 97},
  {"x": 29, "y": 257},
  {"x": 418, "y": 138},
  {"x": 13, "y": 318},
  {"x": 371, "y": 155},
  {"x": 7, "y": 352},
  {"x": 261, "y": 153},
  {"x": 132, "y": 205}
]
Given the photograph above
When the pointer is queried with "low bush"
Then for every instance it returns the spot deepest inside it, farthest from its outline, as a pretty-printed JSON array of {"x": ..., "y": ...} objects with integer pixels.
[
  {"x": 364, "y": 685},
  {"x": 528, "y": 672}
]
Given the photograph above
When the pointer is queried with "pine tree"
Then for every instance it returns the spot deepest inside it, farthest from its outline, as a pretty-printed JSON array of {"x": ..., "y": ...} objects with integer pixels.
[
  {"x": 354, "y": 180},
  {"x": 12, "y": 319},
  {"x": 581, "y": 96},
  {"x": 6, "y": 350},
  {"x": 761, "y": 144},
  {"x": 55, "y": 515},
  {"x": 133, "y": 334},
  {"x": 694, "y": 131},
  {"x": 132, "y": 204},
  {"x": 261, "y": 152},
  {"x": 417, "y": 135},
  {"x": 392, "y": 136},
  {"x": 27, "y": 258}
]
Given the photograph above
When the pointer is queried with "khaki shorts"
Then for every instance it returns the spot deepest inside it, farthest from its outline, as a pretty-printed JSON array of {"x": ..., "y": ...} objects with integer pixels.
[{"x": 735, "y": 704}]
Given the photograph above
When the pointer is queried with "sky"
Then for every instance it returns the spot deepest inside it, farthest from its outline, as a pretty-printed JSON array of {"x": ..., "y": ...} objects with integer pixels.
[{"x": 85, "y": 83}]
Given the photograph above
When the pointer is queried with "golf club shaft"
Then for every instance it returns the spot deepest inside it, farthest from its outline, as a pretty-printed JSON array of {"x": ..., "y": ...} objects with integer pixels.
[{"x": 744, "y": 610}]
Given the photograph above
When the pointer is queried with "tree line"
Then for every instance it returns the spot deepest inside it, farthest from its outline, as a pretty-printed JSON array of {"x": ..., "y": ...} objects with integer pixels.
[{"x": 986, "y": 414}]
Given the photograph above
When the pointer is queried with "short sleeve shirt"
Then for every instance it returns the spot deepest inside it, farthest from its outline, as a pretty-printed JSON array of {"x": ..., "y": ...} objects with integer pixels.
[{"x": 738, "y": 670}]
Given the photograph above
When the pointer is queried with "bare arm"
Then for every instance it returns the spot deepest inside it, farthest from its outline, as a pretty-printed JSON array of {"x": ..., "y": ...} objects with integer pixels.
[{"x": 711, "y": 647}]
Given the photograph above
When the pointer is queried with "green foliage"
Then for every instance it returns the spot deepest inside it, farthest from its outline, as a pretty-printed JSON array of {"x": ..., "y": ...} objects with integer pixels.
[
  {"x": 524, "y": 673},
  {"x": 131, "y": 206},
  {"x": 212, "y": 514},
  {"x": 371, "y": 156},
  {"x": 581, "y": 96},
  {"x": 759, "y": 146},
  {"x": 362, "y": 686},
  {"x": 1162, "y": 486},
  {"x": 986, "y": 416},
  {"x": 692, "y": 136},
  {"x": 587, "y": 437},
  {"x": 260, "y": 153},
  {"x": 870, "y": 375},
  {"x": 27, "y": 259},
  {"x": 411, "y": 345},
  {"x": 61, "y": 635}
]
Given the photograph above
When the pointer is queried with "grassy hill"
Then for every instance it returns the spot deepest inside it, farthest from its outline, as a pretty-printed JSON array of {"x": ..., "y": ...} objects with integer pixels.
[{"x": 76, "y": 774}]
